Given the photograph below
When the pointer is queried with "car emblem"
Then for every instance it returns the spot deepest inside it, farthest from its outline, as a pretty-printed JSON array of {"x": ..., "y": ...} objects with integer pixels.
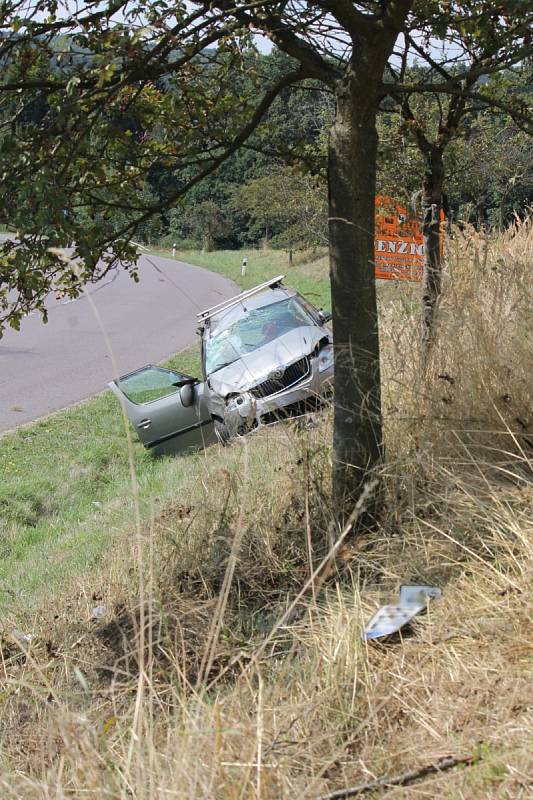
[{"x": 276, "y": 374}]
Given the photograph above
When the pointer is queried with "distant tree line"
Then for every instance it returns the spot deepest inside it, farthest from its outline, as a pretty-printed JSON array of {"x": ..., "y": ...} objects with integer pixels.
[{"x": 273, "y": 192}]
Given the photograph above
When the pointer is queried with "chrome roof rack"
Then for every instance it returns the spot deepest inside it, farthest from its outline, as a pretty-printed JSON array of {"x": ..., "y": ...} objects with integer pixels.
[{"x": 203, "y": 316}]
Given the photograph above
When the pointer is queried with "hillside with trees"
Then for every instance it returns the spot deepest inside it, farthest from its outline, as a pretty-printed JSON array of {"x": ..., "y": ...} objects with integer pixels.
[{"x": 487, "y": 168}]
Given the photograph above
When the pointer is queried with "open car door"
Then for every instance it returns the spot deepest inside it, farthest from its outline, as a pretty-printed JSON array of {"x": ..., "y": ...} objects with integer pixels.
[{"x": 167, "y": 409}]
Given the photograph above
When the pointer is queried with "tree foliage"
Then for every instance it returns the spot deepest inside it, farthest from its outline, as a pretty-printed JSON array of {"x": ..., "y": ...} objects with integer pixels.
[{"x": 286, "y": 209}]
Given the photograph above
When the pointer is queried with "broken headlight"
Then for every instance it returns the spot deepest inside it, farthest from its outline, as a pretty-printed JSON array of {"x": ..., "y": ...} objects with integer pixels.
[
  {"x": 325, "y": 358},
  {"x": 239, "y": 413}
]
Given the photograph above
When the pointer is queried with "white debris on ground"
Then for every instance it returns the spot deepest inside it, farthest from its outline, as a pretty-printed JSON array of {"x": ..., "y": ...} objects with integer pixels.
[
  {"x": 390, "y": 619},
  {"x": 98, "y": 612}
]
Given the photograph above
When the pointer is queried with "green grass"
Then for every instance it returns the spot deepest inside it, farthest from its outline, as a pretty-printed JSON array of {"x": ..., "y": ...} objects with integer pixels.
[
  {"x": 308, "y": 274},
  {"x": 65, "y": 487}
]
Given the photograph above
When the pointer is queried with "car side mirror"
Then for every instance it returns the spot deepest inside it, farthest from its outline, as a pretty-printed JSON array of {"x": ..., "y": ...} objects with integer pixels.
[
  {"x": 187, "y": 395},
  {"x": 324, "y": 316}
]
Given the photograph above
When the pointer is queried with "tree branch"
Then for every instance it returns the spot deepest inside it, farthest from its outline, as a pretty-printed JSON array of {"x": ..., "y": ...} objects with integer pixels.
[
  {"x": 405, "y": 779},
  {"x": 456, "y": 110},
  {"x": 523, "y": 119},
  {"x": 347, "y": 15},
  {"x": 425, "y": 55},
  {"x": 272, "y": 26},
  {"x": 238, "y": 141},
  {"x": 422, "y": 140}
]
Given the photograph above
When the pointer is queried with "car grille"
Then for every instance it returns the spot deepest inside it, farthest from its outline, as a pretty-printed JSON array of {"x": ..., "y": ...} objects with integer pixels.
[{"x": 292, "y": 375}]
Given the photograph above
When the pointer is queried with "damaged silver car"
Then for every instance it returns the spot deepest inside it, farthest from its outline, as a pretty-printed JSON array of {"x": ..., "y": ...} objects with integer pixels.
[{"x": 266, "y": 354}]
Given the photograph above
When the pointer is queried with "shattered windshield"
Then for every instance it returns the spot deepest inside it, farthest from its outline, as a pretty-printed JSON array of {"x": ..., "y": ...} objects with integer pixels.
[{"x": 259, "y": 327}]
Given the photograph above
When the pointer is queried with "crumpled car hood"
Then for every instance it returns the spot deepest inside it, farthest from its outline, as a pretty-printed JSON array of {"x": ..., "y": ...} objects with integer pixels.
[{"x": 255, "y": 367}]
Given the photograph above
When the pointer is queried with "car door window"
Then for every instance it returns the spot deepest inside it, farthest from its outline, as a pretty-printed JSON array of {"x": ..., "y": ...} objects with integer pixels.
[
  {"x": 152, "y": 383},
  {"x": 152, "y": 400}
]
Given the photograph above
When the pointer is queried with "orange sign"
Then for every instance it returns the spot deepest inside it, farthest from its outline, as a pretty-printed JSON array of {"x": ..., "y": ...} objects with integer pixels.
[{"x": 398, "y": 242}]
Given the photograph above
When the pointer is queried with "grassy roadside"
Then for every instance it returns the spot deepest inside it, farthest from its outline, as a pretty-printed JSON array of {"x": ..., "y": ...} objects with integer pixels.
[
  {"x": 65, "y": 487},
  {"x": 308, "y": 274}
]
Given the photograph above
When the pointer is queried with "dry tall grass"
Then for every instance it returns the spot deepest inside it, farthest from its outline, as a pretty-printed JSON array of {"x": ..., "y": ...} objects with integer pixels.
[
  {"x": 479, "y": 374},
  {"x": 199, "y": 693}
]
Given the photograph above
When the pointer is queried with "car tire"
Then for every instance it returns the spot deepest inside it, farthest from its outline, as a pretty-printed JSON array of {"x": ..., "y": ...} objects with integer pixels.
[{"x": 222, "y": 433}]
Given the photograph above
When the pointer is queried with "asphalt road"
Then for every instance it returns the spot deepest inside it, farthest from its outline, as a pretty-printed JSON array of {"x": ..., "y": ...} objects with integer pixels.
[{"x": 47, "y": 367}]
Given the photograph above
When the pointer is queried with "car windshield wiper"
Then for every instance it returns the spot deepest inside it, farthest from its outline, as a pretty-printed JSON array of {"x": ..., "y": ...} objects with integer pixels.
[{"x": 225, "y": 364}]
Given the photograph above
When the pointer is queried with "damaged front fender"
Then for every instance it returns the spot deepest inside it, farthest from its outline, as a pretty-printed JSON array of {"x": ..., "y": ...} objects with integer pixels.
[{"x": 240, "y": 413}]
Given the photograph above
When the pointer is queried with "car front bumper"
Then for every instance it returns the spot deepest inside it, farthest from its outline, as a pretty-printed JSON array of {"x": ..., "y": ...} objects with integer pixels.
[{"x": 245, "y": 412}]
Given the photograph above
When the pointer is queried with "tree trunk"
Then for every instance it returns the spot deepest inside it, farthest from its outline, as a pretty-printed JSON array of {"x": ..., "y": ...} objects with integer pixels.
[
  {"x": 432, "y": 199},
  {"x": 357, "y": 435},
  {"x": 501, "y": 216},
  {"x": 207, "y": 242}
]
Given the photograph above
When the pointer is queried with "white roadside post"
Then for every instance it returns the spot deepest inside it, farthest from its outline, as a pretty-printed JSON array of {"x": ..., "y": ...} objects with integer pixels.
[
  {"x": 243, "y": 267},
  {"x": 174, "y": 250}
]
